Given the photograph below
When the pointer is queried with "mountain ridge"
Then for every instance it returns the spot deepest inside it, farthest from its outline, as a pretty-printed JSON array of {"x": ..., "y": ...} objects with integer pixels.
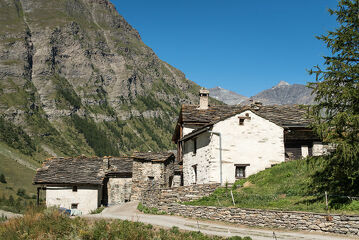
[{"x": 282, "y": 93}]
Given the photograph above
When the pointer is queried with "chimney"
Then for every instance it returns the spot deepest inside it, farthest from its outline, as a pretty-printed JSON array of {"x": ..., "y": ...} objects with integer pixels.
[
  {"x": 105, "y": 163},
  {"x": 203, "y": 99},
  {"x": 256, "y": 105}
]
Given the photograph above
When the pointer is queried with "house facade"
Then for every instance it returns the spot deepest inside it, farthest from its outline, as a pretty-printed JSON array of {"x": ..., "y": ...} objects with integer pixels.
[
  {"x": 83, "y": 184},
  {"x": 220, "y": 144}
]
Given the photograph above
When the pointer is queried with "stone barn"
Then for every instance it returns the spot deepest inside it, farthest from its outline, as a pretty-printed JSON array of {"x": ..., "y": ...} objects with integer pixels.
[{"x": 152, "y": 170}]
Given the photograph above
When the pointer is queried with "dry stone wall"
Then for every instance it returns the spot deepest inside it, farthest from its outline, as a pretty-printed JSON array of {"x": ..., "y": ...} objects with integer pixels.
[
  {"x": 168, "y": 200},
  {"x": 161, "y": 198}
]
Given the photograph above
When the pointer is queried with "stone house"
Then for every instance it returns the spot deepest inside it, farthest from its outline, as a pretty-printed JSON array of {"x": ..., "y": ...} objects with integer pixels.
[
  {"x": 218, "y": 144},
  {"x": 84, "y": 183},
  {"x": 151, "y": 170}
]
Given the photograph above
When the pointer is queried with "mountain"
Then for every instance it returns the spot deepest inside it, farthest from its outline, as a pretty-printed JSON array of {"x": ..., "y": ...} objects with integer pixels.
[
  {"x": 227, "y": 96},
  {"x": 281, "y": 94},
  {"x": 285, "y": 93},
  {"x": 76, "y": 78}
]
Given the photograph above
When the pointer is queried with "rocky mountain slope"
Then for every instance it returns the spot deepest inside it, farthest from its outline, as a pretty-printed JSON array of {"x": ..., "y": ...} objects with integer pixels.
[
  {"x": 75, "y": 78},
  {"x": 281, "y": 94},
  {"x": 284, "y": 93},
  {"x": 227, "y": 96}
]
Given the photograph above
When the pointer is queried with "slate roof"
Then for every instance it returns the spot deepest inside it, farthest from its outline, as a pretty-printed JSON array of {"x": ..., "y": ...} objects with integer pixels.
[
  {"x": 80, "y": 170},
  {"x": 282, "y": 115},
  {"x": 153, "y": 156}
]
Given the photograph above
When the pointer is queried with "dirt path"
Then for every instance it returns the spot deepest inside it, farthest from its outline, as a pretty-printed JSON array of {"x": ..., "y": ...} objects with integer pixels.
[{"x": 128, "y": 211}]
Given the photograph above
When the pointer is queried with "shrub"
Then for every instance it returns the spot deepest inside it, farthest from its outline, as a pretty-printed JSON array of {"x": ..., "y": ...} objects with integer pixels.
[
  {"x": 21, "y": 192},
  {"x": 98, "y": 210},
  {"x": 2, "y": 178}
]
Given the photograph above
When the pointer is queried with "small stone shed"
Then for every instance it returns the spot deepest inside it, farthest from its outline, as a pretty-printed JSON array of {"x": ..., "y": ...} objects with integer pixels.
[
  {"x": 85, "y": 183},
  {"x": 152, "y": 170}
]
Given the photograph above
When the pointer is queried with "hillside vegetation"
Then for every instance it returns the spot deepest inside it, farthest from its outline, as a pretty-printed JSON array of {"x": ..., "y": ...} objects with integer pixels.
[
  {"x": 285, "y": 186},
  {"x": 76, "y": 78},
  {"x": 50, "y": 224}
]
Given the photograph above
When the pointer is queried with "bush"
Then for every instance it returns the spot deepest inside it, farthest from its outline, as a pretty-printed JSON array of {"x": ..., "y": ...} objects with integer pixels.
[
  {"x": 21, "y": 192},
  {"x": 98, "y": 210},
  {"x": 2, "y": 178}
]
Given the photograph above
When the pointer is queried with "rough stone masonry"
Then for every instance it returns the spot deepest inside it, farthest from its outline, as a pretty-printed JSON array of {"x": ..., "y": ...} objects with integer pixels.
[{"x": 169, "y": 200}]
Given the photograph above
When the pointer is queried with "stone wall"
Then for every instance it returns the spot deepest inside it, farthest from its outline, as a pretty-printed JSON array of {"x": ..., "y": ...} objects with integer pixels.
[
  {"x": 161, "y": 198},
  {"x": 341, "y": 224},
  {"x": 168, "y": 200},
  {"x": 119, "y": 190},
  {"x": 150, "y": 175}
]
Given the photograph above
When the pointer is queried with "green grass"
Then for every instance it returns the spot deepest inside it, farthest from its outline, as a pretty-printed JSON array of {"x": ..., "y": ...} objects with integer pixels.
[
  {"x": 148, "y": 210},
  {"x": 50, "y": 224},
  {"x": 282, "y": 187}
]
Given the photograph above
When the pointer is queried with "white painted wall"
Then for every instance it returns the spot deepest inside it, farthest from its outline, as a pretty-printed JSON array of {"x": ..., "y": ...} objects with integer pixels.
[
  {"x": 258, "y": 142},
  {"x": 188, "y": 129},
  {"x": 88, "y": 198},
  {"x": 305, "y": 151}
]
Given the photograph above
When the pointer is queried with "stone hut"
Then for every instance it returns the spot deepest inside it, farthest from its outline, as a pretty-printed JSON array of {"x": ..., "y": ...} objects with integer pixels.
[{"x": 151, "y": 170}]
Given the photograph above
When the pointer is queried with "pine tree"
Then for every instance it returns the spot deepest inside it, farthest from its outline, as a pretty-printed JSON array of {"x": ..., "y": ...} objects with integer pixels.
[{"x": 336, "y": 113}]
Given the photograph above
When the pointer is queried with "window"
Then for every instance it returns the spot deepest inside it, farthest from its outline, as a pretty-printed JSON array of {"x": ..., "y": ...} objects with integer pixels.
[
  {"x": 241, "y": 121},
  {"x": 74, "y": 188},
  {"x": 240, "y": 171},
  {"x": 195, "y": 146},
  {"x": 74, "y": 205},
  {"x": 151, "y": 180},
  {"x": 194, "y": 167},
  {"x": 170, "y": 181}
]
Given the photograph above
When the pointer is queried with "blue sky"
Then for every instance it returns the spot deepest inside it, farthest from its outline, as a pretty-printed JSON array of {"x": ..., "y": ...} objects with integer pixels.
[{"x": 242, "y": 45}]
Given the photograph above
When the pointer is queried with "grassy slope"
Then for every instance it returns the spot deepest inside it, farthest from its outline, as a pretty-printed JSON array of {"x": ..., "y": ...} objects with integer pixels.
[
  {"x": 17, "y": 175},
  {"x": 284, "y": 187}
]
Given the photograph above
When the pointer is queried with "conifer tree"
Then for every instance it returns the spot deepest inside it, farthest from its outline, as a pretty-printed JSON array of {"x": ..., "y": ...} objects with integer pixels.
[{"x": 336, "y": 112}]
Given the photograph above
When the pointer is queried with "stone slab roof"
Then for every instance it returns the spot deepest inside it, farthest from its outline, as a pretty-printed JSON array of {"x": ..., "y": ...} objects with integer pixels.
[
  {"x": 282, "y": 115},
  {"x": 80, "y": 170},
  {"x": 153, "y": 156}
]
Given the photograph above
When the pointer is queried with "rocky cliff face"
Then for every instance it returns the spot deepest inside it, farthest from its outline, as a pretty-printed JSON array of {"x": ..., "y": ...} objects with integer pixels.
[{"x": 77, "y": 79}]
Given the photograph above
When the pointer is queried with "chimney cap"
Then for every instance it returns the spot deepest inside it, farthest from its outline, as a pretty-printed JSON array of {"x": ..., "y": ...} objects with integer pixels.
[{"x": 203, "y": 91}]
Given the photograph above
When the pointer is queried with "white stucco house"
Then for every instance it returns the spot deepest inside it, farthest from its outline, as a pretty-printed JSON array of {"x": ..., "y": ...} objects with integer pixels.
[{"x": 219, "y": 144}]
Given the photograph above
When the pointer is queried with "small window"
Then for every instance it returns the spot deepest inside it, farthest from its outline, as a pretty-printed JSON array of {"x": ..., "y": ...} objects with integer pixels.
[
  {"x": 151, "y": 180},
  {"x": 195, "y": 173},
  {"x": 74, "y": 205},
  {"x": 240, "y": 172},
  {"x": 241, "y": 121},
  {"x": 74, "y": 188},
  {"x": 195, "y": 146}
]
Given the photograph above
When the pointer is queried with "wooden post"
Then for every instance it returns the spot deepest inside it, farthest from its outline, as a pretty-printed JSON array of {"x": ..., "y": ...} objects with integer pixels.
[
  {"x": 38, "y": 197},
  {"x": 234, "y": 204},
  {"x": 326, "y": 200}
]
